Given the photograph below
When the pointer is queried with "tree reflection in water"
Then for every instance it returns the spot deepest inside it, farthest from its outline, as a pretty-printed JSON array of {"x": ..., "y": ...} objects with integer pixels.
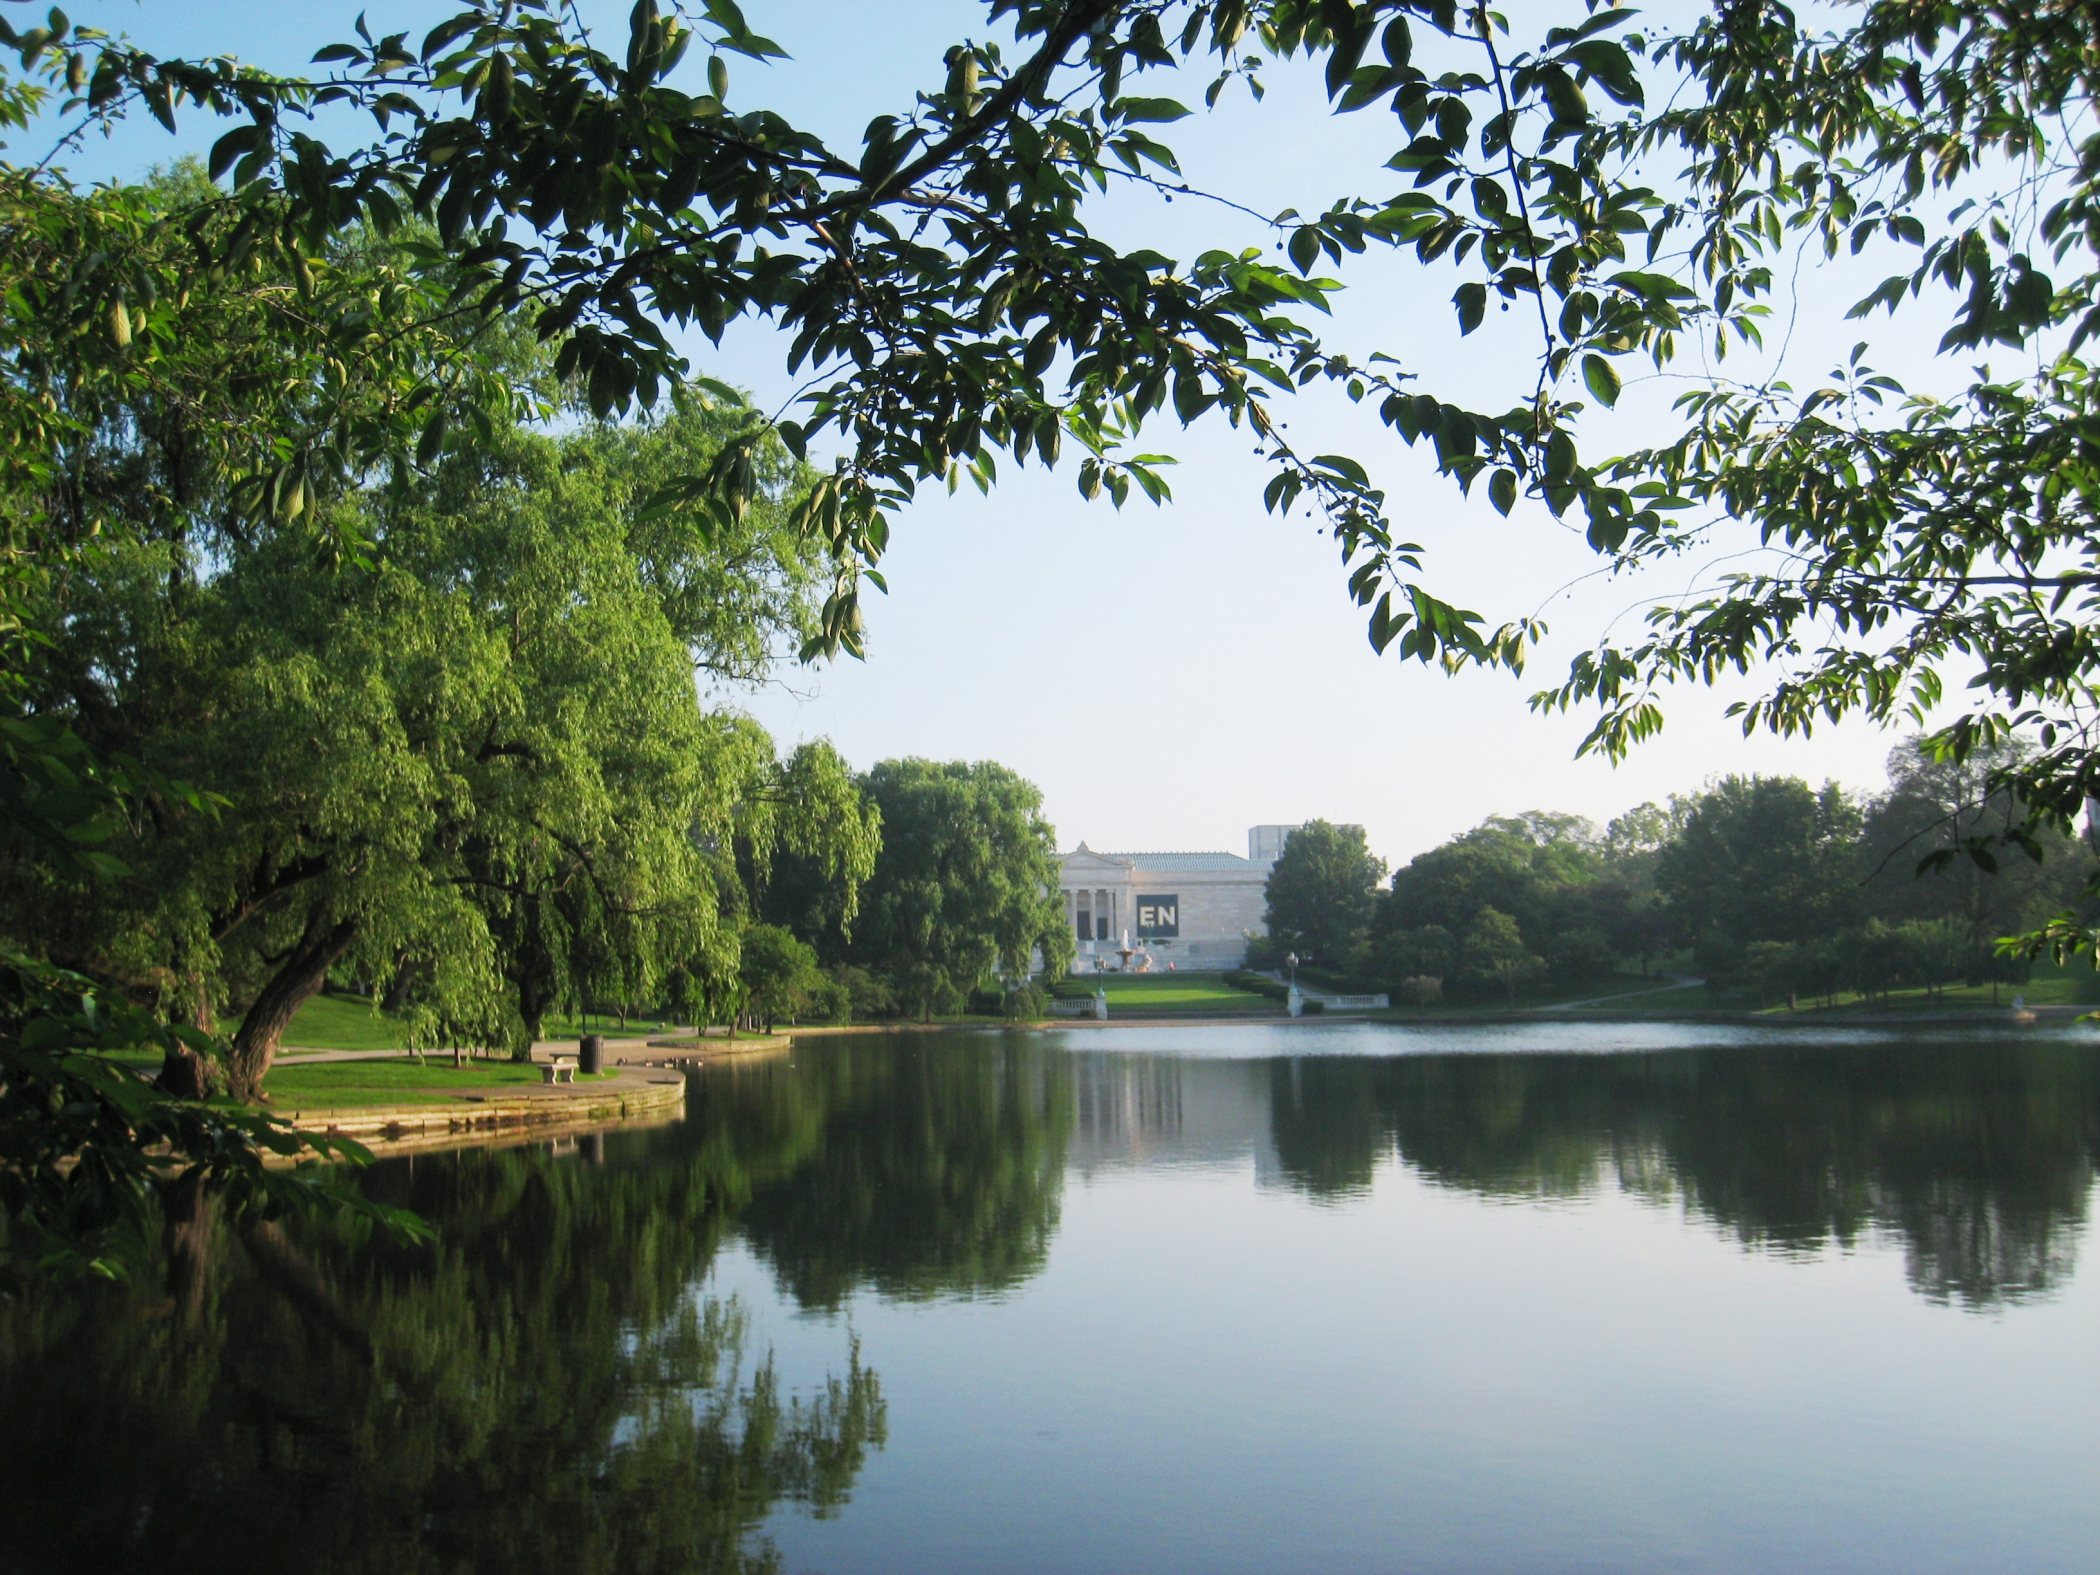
[
  {"x": 545, "y": 1389},
  {"x": 549, "y": 1388},
  {"x": 922, "y": 1166},
  {"x": 932, "y": 1165},
  {"x": 1979, "y": 1158}
]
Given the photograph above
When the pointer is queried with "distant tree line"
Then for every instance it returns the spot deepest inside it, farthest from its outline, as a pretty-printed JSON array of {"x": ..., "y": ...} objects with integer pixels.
[{"x": 1762, "y": 885}]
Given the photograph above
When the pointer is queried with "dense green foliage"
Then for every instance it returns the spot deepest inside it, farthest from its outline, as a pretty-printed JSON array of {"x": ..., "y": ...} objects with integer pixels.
[
  {"x": 779, "y": 973},
  {"x": 1643, "y": 187},
  {"x": 437, "y": 732},
  {"x": 1319, "y": 891},
  {"x": 1511, "y": 900},
  {"x": 480, "y": 757},
  {"x": 1774, "y": 888},
  {"x": 966, "y": 886}
]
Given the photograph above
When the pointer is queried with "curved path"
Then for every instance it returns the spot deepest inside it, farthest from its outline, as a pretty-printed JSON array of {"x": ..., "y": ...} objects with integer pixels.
[{"x": 1681, "y": 981}]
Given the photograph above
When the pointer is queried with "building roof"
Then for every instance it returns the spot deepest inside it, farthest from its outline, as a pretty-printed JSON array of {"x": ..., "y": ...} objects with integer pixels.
[{"x": 1186, "y": 863}]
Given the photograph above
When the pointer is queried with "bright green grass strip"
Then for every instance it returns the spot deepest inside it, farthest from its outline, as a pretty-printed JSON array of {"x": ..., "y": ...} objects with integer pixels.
[
  {"x": 343, "y": 1022},
  {"x": 339, "y": 1084},
  {"x": 1175, "y": 991}
]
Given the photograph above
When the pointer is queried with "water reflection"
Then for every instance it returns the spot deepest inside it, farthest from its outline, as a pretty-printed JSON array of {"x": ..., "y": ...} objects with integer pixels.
[
  {"x": 1979, "y": 1158},
  {"x": 552, "y": 1388},
  {"x": 927, "y": 1166},
  {"x": 542, "y": 1390}
]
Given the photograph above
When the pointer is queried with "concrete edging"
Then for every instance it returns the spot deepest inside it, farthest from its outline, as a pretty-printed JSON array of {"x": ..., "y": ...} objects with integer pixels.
[{"x": 467, "y": 1118}]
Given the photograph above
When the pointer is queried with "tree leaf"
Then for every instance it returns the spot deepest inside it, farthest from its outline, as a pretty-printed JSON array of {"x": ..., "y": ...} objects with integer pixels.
[{"x": 1600, "y": 378}]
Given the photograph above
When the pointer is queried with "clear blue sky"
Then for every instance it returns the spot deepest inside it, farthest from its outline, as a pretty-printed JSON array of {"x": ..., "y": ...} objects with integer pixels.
[{"x": 1171, "y": 676}]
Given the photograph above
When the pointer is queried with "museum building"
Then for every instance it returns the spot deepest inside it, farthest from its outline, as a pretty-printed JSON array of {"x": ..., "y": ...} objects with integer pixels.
[{"x": 1184, "y": 910}]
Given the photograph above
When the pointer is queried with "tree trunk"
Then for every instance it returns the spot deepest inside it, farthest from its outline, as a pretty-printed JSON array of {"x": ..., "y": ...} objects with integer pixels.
[
  {"x": 183, "y": 1072},
  {"x": 296, "y": 981},
  {"x": 535, "y": 995},
  {"x": 398, "y": 987}
]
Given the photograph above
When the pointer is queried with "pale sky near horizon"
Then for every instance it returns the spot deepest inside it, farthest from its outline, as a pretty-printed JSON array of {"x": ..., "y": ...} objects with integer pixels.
[{"x": 1170, "y": 677}]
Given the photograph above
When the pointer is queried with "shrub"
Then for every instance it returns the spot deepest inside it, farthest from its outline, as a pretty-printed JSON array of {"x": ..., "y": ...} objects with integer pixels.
[
  {"x": 868, "y": 995},
  {"x": 829, "y": 1001},
  {"x": 1421, "y": 989},
  {"x": 1259, "y": 984},
  {"x": 1264, "y": 951},
  {"x": 1339, "y": 981}
]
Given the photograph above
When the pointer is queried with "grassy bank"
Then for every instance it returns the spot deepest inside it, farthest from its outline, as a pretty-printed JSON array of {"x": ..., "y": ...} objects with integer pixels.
[
  {"x": 344, "y": 1022},
  {"x": 331, "y": 1085},
  {"x": 1170, "y": 994},
  {"x": 2050, "y": 985}
]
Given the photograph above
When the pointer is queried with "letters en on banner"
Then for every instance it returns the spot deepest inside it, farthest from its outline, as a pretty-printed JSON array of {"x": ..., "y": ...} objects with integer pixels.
[{"x": 1159, "y": 917}]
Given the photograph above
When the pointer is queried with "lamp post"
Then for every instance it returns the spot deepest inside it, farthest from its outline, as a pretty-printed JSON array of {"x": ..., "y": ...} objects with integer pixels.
[
  {"x": 1292, "y": 959},
  {"x": 1292, "y": 1003}
]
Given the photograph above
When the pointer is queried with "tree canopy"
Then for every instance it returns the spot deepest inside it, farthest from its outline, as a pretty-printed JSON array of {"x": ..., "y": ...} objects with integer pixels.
[
  {"x": 1642, "y": 187},
  {"x": 1319, "y": 891},
  {"x": 480, "y": 757},
  {"x": 965, "y": 888},
  {"x": 1775, "y": 888}
]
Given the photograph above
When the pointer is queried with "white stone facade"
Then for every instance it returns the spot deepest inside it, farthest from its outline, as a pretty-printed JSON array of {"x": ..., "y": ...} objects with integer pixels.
[{"x": 1180, "y": 910}]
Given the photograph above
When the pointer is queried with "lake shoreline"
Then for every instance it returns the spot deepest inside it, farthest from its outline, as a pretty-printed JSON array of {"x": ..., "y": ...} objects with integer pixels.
[
  {"x": 499, "y": 1117},
  {"x": 494, "y": 1117},
  {"x": 1836, "y": 1017}
]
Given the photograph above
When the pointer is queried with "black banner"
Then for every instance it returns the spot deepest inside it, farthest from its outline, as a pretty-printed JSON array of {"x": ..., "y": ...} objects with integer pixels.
[{"x": 1159, "y": 917}]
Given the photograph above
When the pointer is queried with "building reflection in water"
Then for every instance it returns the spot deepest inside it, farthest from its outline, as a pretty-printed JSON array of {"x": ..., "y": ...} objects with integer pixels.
[{"x": 1138, "y": 1111}]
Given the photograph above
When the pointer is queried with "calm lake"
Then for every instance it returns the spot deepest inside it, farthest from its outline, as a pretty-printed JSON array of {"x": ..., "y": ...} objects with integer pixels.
[{"x": 1244, "y": 1298}]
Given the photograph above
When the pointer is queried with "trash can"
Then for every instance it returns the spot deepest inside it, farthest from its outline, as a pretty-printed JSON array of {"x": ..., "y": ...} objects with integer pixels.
[{"x": 593, "y": 1056}]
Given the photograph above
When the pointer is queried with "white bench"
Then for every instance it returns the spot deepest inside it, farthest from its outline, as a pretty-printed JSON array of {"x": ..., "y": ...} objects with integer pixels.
[{"x": 562, "y": 1069}]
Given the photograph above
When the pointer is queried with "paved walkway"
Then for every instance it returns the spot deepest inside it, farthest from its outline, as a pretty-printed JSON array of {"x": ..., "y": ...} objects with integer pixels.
[{"x": 1679, "y": 981}]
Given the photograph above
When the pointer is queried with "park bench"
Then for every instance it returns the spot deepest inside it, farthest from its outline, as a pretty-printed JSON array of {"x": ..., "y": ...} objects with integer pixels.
[{"x": 562, "y": 1069}]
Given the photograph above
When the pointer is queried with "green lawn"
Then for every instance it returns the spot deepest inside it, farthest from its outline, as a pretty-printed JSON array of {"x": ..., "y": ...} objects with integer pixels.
[
  {"x": 1615, "y": 994},
  {"x": 1174, "y": 992},
  {"x": 343, "y": 1022},
  {"x": 2049, "y": 985},
  {"x": 308, "y": 1085},
  {"x": 338, "y": 1084},
  {"x": 708, "y": 1041}
]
